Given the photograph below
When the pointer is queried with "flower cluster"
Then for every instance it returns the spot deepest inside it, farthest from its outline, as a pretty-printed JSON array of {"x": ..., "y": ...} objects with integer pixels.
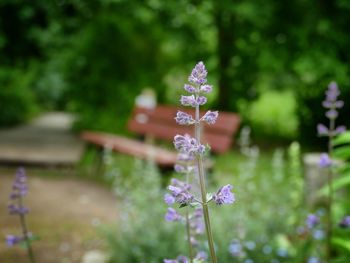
[
  {"x": 190, "y": 151},
  {"x": 19, "y": 190},
  {"x": 332, "y": 104}
]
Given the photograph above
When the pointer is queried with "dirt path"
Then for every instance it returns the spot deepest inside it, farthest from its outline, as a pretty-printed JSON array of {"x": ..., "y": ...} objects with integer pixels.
[
  {"x": 66, "y": 213},
  {"x": 46, "y": 141}
]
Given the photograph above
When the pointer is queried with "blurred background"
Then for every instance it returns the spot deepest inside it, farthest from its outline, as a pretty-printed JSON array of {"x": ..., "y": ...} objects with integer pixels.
[{"x": 269, "y": 61}]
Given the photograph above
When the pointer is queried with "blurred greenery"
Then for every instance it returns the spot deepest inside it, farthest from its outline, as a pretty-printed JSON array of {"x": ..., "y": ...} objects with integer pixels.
[{"x": 93, "y": 57}]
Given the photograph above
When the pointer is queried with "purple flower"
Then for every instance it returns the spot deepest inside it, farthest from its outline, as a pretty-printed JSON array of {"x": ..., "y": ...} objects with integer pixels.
[
  {"x": 15, "y": 209},
  {"x": 169, "y": 199},
  {"x": 199, "y": 74},
  {"x": 236, "y": 248},
  {"x": 180, "y": 259},
  {"x": 12, "y": 240},
  {"x": 188, "y": 145},
  {"x": 172, "y": 215},
  {"x": 180, "y": 191},
  {"x": 325, "y": 161},
  {"x": 340, "y": 130},
  {"x": 206, "y": 88},
  {"x": 182, "y": 156},
  {"x": 322, "y": 130},
  {"x": 188, "y": 101},
  {"x": 312, "y": 220},
  {"x": 190, "y": 88},
  {"x": 210, "y": 117},
  {"x": 332, "y": 114},
  {"x": 183, "y": 118},
  {"x": 345, "y": 223},
  {"x": 313, "y": 260},
  {"x": 224, "y": 195},
  {"x": 201, "y": 256}
]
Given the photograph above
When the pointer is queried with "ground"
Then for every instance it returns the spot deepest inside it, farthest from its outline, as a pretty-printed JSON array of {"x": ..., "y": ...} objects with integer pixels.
[{"x": 75, "y": 209}]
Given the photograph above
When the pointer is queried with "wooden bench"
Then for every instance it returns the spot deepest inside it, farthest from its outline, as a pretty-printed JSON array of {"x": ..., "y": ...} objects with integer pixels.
[{"x": 159, "y": 123}]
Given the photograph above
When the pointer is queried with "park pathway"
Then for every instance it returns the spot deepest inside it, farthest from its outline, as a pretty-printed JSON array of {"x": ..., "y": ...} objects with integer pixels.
[{"x": 46, "y": 141}]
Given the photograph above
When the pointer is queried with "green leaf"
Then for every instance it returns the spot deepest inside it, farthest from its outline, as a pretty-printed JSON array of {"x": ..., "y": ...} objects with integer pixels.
[
  {"x": 343, "y": 138},
  {"x": 342, "y": 152},
  {"x": 343, "y": 243},
  {"x": 337, "y": 184}
]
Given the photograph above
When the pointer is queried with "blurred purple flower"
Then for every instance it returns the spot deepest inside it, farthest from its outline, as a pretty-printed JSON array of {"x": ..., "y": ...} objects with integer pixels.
[
  {"x": 183, "y": 118},
  {"x": 236, "y": 248},
  {"x": 313, "y": 260},
  {"x": 224, "y": 195},
  {"x": 190, "y": 88},
  {"x": 345, "y": 223},
  {"x": 199, "y": 74},
  {"x": 201, "y": 256},
  {"x": 206, "y": 88},
  {"x": 322, "y": 130},
  {"x": 172, "y": 215},
  {"x": 169, "y": 199},
  {"x": 12, "y": 240},
  {"x": 188, "y": 145},
  {"x": 325, "y": 161},
  {"x": 210, "y": 117},
  {"x": 339, "y": 130},
  {"x": 332, "y": 114},
  {"x": 312, "y": 220}
]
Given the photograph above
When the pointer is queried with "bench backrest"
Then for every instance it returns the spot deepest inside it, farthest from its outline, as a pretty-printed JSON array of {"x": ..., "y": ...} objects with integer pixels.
[{"x": 160, "y": 123}]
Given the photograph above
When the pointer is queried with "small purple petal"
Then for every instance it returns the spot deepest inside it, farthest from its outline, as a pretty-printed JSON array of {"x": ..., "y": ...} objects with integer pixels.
[
  {"x": 210, "y": 117},
  {"x": 345, "y": 223},
  {"x": 325, "y": 161},
  {"x": 190, "y": 88},
  {"x": 312, "y": 220},
  {"x": 188, "y": 101},
  {"x": 331, "y": 114},
  {"x": 183, "y": 118},
  {"x": 224, "y": 195},
  {"x": 339, "y": 130},
  {"x": 206, "y": 88},
  {"x": 169, "y": 199},
  {"x": 201, "y": 100},
  {"x": 322, "y": 130},
  {"x": 172, "y": 215}
]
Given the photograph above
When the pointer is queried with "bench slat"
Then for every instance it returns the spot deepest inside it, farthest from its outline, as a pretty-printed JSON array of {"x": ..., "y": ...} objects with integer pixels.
[{"x": 138, "y": 149}]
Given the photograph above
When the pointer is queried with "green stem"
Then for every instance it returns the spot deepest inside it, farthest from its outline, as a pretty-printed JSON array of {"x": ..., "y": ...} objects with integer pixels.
[
  {"x": 204, "y": 193},
  {"x": 25, "y": 233},
  {"x": 188, "y": 230},
  {"x": 330, "y": 191}
]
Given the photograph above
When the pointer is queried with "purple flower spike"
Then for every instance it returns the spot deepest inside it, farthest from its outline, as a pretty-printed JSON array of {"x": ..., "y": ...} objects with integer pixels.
[
  {"x": 210, "y": 117},
  {"x": 172, "y": 215},
  {"x": 224, "y": 195},
  {"x": 183, "y": 118},
  {"x": 190, "y": 88},
  {"x": 199, "y": 74},
  {"x": 206, "y": 88},
  {"x": 322, "y": 130},
  {"x": 325, "y": 161},
  {"x": 312, "y": 220},
  {"x": 345, "y": 223}
]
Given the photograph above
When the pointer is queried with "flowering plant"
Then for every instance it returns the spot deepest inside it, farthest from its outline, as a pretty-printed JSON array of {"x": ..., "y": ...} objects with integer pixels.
[
  {"x": 192, "y": 149},
  {"x": 16, "y": 207}
]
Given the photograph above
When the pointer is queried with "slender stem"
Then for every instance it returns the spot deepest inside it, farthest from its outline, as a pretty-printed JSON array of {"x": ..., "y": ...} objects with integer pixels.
[
  {"x": 331, "y": 192},
  {"x": 188, "y": 230},
  {"x": 190, "y": 251},
  {"x": 25, "y": 232},
  {"x": 204, "y": 193}
]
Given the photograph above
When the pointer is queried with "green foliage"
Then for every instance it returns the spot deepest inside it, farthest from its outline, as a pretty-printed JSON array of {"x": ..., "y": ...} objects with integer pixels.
[
  {"x": 273, "y": 115},
  {"x": 17, "y": 102}
]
